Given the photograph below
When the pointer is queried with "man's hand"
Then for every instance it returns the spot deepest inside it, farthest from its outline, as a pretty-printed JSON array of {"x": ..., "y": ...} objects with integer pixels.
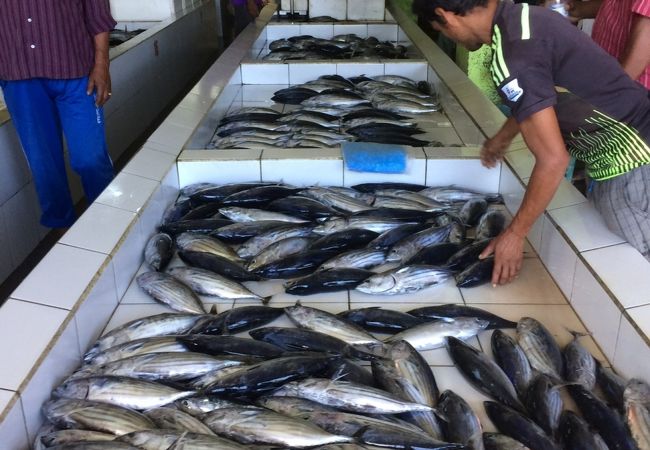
[
  {"x": 579, "y": 9},
  {"x": 493, "y": 151},
  {"x": 508, "y": 249},
  {"x": 99, "y": 82}
]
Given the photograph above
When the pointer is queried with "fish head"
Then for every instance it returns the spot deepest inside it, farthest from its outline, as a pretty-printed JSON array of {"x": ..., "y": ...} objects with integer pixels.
[
  {"x": 377, "y": 284},
  {"x": 395, "y": 255},
  {"x": 526, "y": 325},
  {"x": 298, "y": 313},
  {"x": 330, "y": 226},
  {"x": 637, "y": 391},
  {"x": 73, "y": 389},
  {"x": 456, "y": 233},
  {"x": 291, "y": 389}
]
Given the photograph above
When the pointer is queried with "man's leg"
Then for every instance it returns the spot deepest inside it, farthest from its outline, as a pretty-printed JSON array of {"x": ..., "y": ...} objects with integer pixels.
[
  {"x": 83, "y": 126},
  {"x": 624, "y": 204},
  {"x": 35, "y": 118}
]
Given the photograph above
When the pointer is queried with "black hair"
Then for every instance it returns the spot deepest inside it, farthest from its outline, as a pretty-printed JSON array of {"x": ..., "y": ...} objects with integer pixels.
[{"x": 426, "y": 8}]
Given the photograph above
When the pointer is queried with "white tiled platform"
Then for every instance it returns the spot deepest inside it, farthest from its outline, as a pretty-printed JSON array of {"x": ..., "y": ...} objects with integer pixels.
[{"x": 580, "y": 291}]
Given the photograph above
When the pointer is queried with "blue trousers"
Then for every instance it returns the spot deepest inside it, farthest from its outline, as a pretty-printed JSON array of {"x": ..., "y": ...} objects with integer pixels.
[{"x": 41, "y": 109}]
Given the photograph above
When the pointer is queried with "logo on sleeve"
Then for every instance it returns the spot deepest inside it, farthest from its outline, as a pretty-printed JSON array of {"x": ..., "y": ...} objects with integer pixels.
[{"x": 512, "y": 90}]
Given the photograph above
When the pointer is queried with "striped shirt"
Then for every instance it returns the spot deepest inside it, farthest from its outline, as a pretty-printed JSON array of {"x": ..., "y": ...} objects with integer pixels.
[
  {"x": 50, "y": 38},
  {"x": 612, "y": 28}
]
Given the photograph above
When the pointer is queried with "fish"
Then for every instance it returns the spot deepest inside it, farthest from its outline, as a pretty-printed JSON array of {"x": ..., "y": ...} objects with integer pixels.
[
  {"x": 222, "y": 266},
  {"x": 193, "y": 226},
  {"x": 483, "y": 373},
  {"x": 161, "y": 366},
  {"x": 437, "y": 254},
  {"x": 355, "y": 259},
  {"x": 328, "y": 280},
  {"x": 519, "y": 427},
  {"x": 170, "y": 291},
  {"x": 338, "y": 100},
  {"x": 490, "y": 225},
  {"x": 66, "y": 437},
  {"x": 411, "y": 245},
  {"x": 300, "y": 206},
  {"x": 295, "y": 407},
  {"x": 472, "y": 210},
  {"x": 544, "y": 404},
  {"x": 450, "y": 312},
  {"x": 173, "y": 419},
  {"x": 579, "y": 364},
  {"x": 336, "y": 200},
  {"x": 575, "y": 433},
  {"x": 279, "y": 250},
  {"x": 271, "y": 374},
  {"x": 404, "y": 107},
  {"x": 210, "y": 378},
  {"x": 158, "y": 251},
  {"x": 178, "y": 440},
  {"x": 95, "y": 416},
  {"x": 378, "y": 431},
  {"x": 402, "y": 203},
  {"x": 462, "y": 424},
  {"x": 372, "y": 187},
  {"x": 467, "y": 255},
  {"x": 347, "y": 370},
  {"x": 209, "y": 283},
  {"x": 258, "y": 196},
  {"x": 146, "y": 327},
  {"x": 432, "y": 335},
  {"x": 476, "y": 274},
  {"x": 606, "y": 421},
  {"x": 496, "y": 441},
  {"x": 253, "y": 215},
  {"x": 336, "y": 224},
  {"x": 513, "y": 361},
  {"x": 230, "y": 345},
  {"x": 205, "y": 211},
  {"x": 257, "y": 244},
  {"x": 540, "y": 348},
  {"x": 237, "y": 320},
  {"x": 293, "y": 266},
  {"x": 303, "y": 340},
  {"x": 348, "y": 396},
  {"x": 202, "y": 243},
  {"x": 102, "y": 445},
  {"x": 405, "y": 373},
  {"x": 240, "y": 232},
  {"x": 121, "y": 391},
  {"x": 637, "y": 412},
  {"x": 389, "y": 238},
  {"x": 612, "y": 385},
  {"x": 293, "y": 95},
  {"x": 259, "y": 426},
  {"x": 404, "y": 280},
  {"x": 453, "y": 194},
  {"x": 327, "y": 323},
  {"x": 136, "y": 347},
  {"x": 375, "y": 318},
  {"x": 344, "y": 240},
  {"x": 217, "y": 193},
  {"x": 199, "y": 405}
]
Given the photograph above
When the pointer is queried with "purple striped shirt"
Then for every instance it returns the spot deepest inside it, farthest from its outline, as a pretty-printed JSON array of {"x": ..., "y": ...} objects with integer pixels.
[{"x": 50, "y": 38}]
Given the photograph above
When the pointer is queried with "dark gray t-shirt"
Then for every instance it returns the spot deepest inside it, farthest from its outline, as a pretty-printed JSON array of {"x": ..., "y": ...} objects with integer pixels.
[{"x": 541, "y": 60}]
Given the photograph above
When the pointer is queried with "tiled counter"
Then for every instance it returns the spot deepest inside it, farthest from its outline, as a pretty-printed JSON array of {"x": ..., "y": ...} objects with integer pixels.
[{"x": 85, "y": 284}]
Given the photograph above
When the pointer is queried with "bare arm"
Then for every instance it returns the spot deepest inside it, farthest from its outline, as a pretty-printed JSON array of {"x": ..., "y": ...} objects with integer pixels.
[
  {"x": 636, "y": 55},
  {"x": 494, "y": 148},
  {"x": 542, "y": 134},
  {"x": 99, "y": 80},
  {"x": 579, "y": 9}
]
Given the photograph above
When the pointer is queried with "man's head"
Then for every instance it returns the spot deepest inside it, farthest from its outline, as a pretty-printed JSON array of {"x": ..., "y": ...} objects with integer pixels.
[{"x": 468, "y": 22}]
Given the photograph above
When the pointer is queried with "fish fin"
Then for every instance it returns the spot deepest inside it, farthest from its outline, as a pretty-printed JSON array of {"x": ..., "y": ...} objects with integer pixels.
[
  {"x": 440, "y": 414},
  {"x": 213, "y": 310},
  {"x": 298, "y": 303},
  {"x": 340, "y": 376},
  {"x": 360, "y": 432},
  {"x": 266, "y": 300},
  {"x": 578, "y": 334}
]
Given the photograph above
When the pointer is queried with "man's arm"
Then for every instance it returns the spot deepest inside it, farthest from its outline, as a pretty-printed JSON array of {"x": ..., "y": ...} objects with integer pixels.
[
  {"x": 579, "y": 9},
  {"x": 99, "y": 80},
  {"x": 541, "y": 132},
  {"x": 494, "y": 148},
  {"x": 636, "y": 56}
]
